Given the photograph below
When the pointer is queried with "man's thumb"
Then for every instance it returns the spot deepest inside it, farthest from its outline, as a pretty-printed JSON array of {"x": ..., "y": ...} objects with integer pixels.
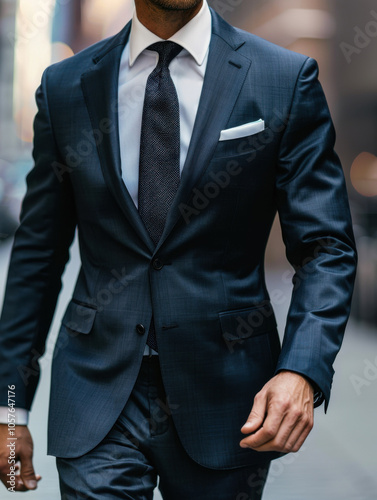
[
  {"x": 257, "y": 415},
  {"x": 27, "y": 473}
]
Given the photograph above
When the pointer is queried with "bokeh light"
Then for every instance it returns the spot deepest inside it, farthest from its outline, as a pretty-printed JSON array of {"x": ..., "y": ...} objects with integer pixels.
[
  {"x": 364, "y": 174},
  {"x": 31, "y": 56},
  {"x": 60, "y": 51}
]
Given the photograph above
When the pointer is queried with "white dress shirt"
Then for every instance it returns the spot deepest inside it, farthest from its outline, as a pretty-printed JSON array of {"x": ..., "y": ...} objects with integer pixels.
[{"x": 187, "y": 71}]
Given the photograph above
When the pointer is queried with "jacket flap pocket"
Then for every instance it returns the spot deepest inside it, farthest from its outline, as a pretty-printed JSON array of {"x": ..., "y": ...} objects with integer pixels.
[
  {"x": 79, "y": 317},
  {"x": 246, "y": 323}
]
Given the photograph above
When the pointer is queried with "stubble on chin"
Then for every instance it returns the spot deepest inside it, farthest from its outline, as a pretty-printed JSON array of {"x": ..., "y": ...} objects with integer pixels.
[{"x": 175, "y": 4}]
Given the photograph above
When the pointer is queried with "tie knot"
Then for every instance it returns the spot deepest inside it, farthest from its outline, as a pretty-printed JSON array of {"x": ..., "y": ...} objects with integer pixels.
[{"x": 167, "y": 52}]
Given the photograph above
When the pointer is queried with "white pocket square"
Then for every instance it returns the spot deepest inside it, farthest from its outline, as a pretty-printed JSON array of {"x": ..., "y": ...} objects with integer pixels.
[{"x": 242, "y": 130}]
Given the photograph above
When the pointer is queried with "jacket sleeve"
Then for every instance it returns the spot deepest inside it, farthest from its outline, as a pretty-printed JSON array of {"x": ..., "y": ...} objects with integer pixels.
[
  {"x": 317, "y": 232},
  {"x": 39, "y": 255}
]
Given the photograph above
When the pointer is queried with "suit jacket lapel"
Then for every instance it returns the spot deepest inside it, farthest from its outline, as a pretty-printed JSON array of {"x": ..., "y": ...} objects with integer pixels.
[
  {"x": 100, "y": 89},
  {"x": 225, "y": 75}
]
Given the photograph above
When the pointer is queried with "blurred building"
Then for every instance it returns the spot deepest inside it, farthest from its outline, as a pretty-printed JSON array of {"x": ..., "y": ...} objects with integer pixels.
[
  {"x": 12, "y": 149},
  {"x": 355, "y": 78},
  {"x": 8, "y": 139}
]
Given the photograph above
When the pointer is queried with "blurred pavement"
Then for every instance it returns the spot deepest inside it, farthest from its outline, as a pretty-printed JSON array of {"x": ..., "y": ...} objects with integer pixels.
[{"x": 338, "y": 460}]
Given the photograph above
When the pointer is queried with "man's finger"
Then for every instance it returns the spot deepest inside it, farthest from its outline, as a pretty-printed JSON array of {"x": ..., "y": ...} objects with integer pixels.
[
  {"x": 20, "y": 486},
  {"x": 274, "y": 426},
  {"x": 27, "y": 473},
  {"x": 291, "y": 434},
  {"x": 257, "y": 414},
  {"x": 299, "y": 435},
  {"x": 268, "y": 432},
  {"x": 302, "y": 419},
  {"x": 278, "y": 442}
]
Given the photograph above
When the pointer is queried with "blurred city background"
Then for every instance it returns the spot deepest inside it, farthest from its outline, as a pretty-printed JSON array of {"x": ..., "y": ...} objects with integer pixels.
[{"x": 338, "y": 461}]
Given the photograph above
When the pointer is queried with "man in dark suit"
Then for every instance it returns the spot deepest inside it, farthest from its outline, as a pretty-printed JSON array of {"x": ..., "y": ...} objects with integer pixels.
[{"x": 173, "y": 175}]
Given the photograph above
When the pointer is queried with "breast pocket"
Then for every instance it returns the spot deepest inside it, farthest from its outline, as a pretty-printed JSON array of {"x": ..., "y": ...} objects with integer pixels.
[{"x": 245, "y": 146}]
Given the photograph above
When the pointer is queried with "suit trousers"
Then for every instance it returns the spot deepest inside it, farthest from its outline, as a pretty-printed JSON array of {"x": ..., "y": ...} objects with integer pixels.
[{"x": 143, "y": 448}]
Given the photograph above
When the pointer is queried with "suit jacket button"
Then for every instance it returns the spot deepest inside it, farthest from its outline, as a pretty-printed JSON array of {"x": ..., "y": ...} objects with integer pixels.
[
  {"x": 140, "y": 329},
  {"x": 157, "y": 265}
]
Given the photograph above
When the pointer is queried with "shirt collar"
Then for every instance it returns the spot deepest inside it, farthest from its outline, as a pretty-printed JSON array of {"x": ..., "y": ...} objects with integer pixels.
[{"x": 195, "y": 36}]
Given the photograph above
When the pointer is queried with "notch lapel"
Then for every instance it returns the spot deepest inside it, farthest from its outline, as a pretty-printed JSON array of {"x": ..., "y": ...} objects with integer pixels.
[
  {"x": 225, "y": 75},
  {"x": 100, "y": 89}
]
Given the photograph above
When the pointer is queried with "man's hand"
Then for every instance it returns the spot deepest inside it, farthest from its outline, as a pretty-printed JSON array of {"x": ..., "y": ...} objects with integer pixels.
[
  {"x": 25, "y": 478},
  {"x": 282, "y": 415}
]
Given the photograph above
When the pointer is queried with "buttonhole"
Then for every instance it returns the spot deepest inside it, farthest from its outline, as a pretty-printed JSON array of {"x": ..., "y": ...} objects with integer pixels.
[
  {"x": 170, "y": 327},
  {"x": 235, "y": 64}
]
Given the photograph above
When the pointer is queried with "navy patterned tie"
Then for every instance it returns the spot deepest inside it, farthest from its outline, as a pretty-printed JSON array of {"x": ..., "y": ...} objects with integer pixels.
[{"x": 159, "y": 172}]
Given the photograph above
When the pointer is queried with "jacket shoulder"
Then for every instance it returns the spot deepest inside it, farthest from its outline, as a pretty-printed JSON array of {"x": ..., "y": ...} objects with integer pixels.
[
  {"x": 270, "y": 55},
  {"x": 78, "y": 62},
  {"x": 275, "y": 66},
  {"x": 257, "y": 49},
  {"x": 75, "y": 66}
]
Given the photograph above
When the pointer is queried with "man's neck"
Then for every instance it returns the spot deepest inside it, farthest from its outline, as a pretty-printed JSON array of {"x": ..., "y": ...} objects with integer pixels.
[{"x": 164, "y": 22}]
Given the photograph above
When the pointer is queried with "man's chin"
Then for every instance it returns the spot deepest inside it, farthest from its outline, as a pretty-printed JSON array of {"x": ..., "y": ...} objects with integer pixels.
[{"x": 176, "y": 4}]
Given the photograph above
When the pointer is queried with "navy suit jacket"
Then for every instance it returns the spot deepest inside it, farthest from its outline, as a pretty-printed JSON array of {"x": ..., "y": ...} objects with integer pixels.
[{"x": 204, "y": 282}]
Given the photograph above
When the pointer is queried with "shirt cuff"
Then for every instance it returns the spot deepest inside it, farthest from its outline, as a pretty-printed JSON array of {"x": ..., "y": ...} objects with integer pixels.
[{"x": 20, "y": 415}]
